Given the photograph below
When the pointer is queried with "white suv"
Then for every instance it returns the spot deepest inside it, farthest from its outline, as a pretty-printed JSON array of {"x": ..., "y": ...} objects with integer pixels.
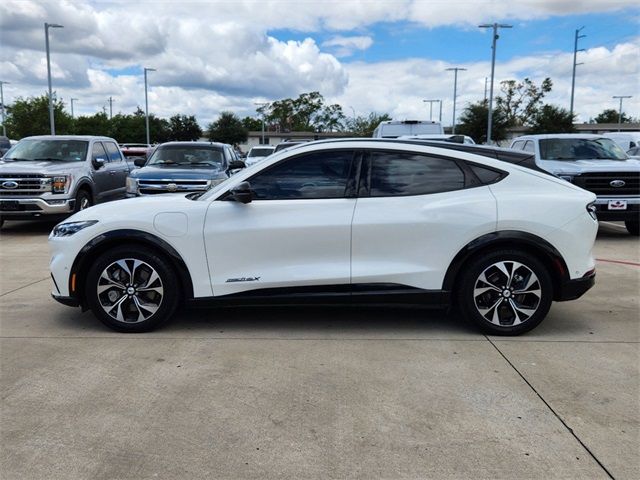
[{"x": 364, "y": 221}]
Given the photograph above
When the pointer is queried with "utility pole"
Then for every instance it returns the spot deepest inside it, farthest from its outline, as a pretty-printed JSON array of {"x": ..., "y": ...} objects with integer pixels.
[
  {"x": 262, "y": 104},
  {"x": 495, "y": 27},
  {"x": 110, "y": 108},
  {"x": 455, "y": 94},
  {"x": 573, "y": 75},
  {"x": 47, "y": 26},
  {"x": 431, "y": 102},
  {"x": 72, "y": 100},
  {"x": 4, "y": 129},
  {"x": 486, "y": 79},
  {"x": 620, "y": 109},
  {"x": 146, "y": 102}
]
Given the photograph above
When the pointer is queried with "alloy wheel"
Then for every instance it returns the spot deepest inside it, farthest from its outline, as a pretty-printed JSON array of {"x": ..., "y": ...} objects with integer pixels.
[
  {"x": 507, "y": 293},
  {"x": 130, "y": 290}
]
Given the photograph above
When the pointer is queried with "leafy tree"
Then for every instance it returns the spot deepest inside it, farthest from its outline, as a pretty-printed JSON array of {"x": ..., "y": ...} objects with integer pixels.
[
  {"x": 252, "y": 124},
  {"x": 330, "y": 119},
  {"x": 132, "y": 128},
  {"x": 362, "y": 126},
  {"x": 97, "y": 124},
  {"x": 473, "y": 122},
  {"x": 520, "y": 101},
  {"x": 31, "y": 117},
  {"x": 553, "y": 119},
  {"x": 184, "y": 128},
  {"x": 307, "y": 113},
  {"x": 610, "y": 115},
  {"x": 228, "y": 128}
]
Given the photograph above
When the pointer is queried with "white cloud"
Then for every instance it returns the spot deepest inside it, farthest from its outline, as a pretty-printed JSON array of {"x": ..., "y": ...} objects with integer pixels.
[{"x": 346, "y": 46}]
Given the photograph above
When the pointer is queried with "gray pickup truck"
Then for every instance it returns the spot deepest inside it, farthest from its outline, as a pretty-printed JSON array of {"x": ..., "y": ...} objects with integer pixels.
[{"x": 48, "y": 176}]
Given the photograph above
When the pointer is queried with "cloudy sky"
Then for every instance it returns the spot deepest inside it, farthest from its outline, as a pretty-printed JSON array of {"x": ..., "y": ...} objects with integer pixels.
[{"x": 367, "y": 55}]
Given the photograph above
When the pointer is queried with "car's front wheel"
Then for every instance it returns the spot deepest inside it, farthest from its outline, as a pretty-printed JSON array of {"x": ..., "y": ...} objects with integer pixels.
[
  {"x": 505, "y": 292},
  {"x": 131, "y": 290}
]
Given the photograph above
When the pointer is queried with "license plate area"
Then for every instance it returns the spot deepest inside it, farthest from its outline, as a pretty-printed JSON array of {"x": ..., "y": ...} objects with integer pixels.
[
  {"x": 9, "y": 206},
  {"x": 617, "y": 205}
]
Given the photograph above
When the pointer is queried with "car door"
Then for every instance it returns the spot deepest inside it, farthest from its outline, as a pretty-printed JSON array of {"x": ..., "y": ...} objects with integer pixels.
[
  {"x": 118, "y": 170},
  {"x": 296, "y": 232},
  {"x": 415, "y": 211},
  {"x": 101, "y": 174}
]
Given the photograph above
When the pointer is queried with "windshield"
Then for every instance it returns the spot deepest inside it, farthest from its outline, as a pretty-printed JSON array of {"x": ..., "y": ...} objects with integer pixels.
[
  {"x": 48, "y": 150},
  {"x": 187, "y": 156},
  {"x": 580, "y": 149},
  {"x": 260, "y": 152}
]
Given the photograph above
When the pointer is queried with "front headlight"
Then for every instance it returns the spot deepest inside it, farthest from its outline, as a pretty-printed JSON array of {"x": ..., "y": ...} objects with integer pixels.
[
  {"x": 59, "y": 183},
  {"x": 568, "y": 178},
  {"x": 69, "y": 228},
  {"x": 132, "y": 185},
  {"x": 592, "y": 209}
]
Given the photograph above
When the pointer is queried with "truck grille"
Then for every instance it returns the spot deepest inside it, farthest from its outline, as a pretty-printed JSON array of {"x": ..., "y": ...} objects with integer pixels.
[
  {"x": 601, "y": 183},
  {"x": 20, "y": 184},
  {"x": 149, "y": 187}
]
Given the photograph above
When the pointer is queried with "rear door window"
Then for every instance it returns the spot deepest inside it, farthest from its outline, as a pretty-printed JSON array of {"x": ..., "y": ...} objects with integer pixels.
[{"x": 113, "y": 151}]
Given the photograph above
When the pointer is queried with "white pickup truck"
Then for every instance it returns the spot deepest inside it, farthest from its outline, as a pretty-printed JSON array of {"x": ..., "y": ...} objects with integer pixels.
[{"x": 595, "y": 163}]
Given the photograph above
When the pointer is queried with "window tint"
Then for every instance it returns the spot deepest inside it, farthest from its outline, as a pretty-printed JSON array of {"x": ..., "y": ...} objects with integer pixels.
[
  {"x": 528, "y": 146},
  {"x": 394, "y": 174},
  {"x": 113, "y": 151},
  {"x": 316, "y": 175},
  {"x": 98, "y": 152},
  {"x": 485, "y": 175}
]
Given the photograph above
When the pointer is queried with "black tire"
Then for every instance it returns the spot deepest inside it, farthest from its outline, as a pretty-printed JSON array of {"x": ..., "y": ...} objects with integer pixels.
[
  {"x": 633, "y": 227},
  {"x": 536, "y": 301},
  {"x": 1, "y": 222},
  {"x": 168, "y": 287},
  {"x": 83, "y": 200}
]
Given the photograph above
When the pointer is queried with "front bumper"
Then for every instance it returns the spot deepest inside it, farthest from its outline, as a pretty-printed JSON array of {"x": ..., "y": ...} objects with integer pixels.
[
  {"x": 631, "y": 213},
  {"x": 572, "y": 289},
  {"x": 19, "y": 207},
  {"x": 68, "y": 301}
]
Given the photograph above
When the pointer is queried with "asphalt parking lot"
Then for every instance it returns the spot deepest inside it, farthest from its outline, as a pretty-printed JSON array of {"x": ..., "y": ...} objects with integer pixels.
[{"x": 318, "y": 393}]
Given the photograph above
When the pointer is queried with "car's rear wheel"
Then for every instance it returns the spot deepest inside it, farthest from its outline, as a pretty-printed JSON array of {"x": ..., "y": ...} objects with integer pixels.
[
  {"x": 505, "y": 292},
  {"x": 131, "y": 290},
  {"x": 633, "y": 227}
]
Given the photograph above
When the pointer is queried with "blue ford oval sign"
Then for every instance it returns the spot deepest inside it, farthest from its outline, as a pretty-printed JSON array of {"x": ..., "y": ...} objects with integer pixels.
[
  {"x": 617, "y": 183},
  {"x": 9, "y": 184}
]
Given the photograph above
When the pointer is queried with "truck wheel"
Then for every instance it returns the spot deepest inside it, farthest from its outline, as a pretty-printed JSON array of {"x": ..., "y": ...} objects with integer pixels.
[
  {"x": 83, "y": 201},
  {"x": 505, "y": 292},
  {"x": 633, "y": 227}
]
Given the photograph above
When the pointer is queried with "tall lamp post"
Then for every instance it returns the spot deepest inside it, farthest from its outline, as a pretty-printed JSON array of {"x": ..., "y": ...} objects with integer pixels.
[
  {"x": 146, "y": 103},
  {"x": 620, "y": 109},
  {"x": 262, "y": 104},
  {"x": 72, "y": 100},
  {"x": 47, "y": 26},
  {"x": 431, "y": 102},
  {"x": 455, "y": 94},
  {"x": 4, "y": 129},
  {"x": 495, "y": 27}
]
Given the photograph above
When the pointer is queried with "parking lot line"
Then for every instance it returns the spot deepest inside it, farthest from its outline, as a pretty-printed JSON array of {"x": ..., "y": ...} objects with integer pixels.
[{"x": 622, "y": 262}]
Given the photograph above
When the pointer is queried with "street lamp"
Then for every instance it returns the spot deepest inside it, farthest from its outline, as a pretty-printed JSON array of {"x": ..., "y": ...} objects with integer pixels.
[
  {"x": 455, "y": 95},
  {"x": 47, "y": 26},
  {"x": 619, "y": 110},
  {"x": 4, "y": 129},
  {"x": 146, "y": 102},
  {"x": 431, "y": 102},
  {"x": 495, "y": 27},
  {"x": 262, "y": 104},
  {"x": 72, "y": 100}
]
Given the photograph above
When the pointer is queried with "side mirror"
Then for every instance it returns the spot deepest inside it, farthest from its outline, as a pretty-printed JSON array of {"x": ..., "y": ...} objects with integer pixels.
[
  {"x": 98, "y": 163},
  {"x": 241, "y": 193},
  {"x": 139, "y": 161},
  {"x": 236, "y": 165}
]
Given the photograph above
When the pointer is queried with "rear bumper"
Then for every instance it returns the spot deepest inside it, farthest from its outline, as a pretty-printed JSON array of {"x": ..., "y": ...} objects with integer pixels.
[{"x": 572, "y": 289}]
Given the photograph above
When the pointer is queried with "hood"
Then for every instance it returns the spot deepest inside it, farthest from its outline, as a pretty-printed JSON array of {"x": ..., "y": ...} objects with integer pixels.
[
  {"x": 589, "y": 166},
  {"x": 11, "y": 166},
  {"x": 177, "y": 173}
]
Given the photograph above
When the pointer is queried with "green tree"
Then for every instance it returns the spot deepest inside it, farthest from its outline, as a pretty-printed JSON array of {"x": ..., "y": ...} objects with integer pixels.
[
  {"x": 31, "y": 117},
  {"x": 610, "y": 115},
  {"x": 307, "y": 113},
  {"x": 330, "y": 119},
  {"x": 228, "y": 128},
  {"x": 97, "y": 124},
  {"x": 473, "y": 122},
  {"x": 131, "y": 128},
  {"x": 553, "y": 119},
  {"x": 521, "y": 101},
  {"x": 184, "y": 128},
  {"x": 252, "y": 124},
  {"x": 363, "y": 126}
]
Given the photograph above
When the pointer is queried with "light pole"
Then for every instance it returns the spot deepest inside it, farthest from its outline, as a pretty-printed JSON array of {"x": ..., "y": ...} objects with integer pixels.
[
  {"x": 146, "y": 103},
  {"x": 110, "y": 108},
  {"x": 47, "y": 26},
  {"x": 455, "y": 94},
  {"x": 72, "y": 100},
  {"x": 620, "y": 109},
  {"x": 495, "y": 27},
  {"x": 573, "y": 74},
  {"x": 262, "y": 104},
  {"x": 431, "y": 102},
  {"x": 4, "y": 129}
]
